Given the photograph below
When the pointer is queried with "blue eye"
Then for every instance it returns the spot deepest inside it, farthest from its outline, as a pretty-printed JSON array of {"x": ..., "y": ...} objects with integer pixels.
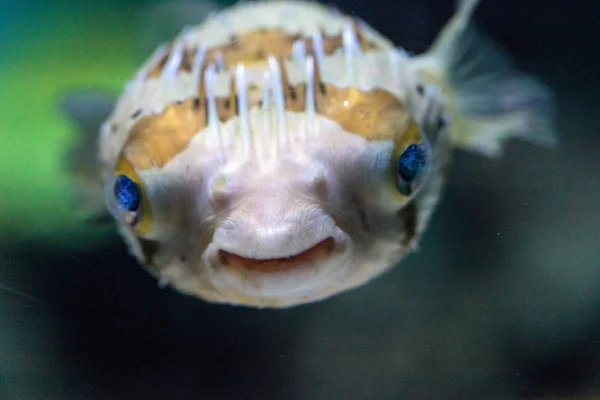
[
  {"x": 411, "y": 165},
  {"x": 127, "y": 193}
]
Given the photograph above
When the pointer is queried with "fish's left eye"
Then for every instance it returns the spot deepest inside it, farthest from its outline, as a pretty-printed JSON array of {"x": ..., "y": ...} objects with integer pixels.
[
  {"x": 129, "y": 197},
  {"x": 410, "y": 168}
]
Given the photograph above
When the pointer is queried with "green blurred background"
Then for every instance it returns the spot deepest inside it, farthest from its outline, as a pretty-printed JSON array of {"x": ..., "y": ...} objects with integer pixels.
[
  {"x": 501, "y": 302},
  {"x": 48, "y": 47}
]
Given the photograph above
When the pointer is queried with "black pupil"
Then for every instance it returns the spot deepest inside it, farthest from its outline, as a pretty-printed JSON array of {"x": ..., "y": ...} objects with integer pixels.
[
  {"x": 411, "y": 162},
  {"x": 127, "y": 193}
]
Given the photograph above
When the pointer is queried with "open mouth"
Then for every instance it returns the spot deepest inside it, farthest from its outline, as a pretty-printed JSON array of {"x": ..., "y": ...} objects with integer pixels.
[{"x": 318, "y": 252}]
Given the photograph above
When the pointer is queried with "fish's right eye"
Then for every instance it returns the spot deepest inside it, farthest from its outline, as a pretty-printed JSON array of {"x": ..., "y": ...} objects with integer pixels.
[{"x": 128, "y": 195}]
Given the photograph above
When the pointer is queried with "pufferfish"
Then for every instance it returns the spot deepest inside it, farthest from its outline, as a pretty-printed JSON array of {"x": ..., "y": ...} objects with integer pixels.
[{"x": 282, "y": 152}]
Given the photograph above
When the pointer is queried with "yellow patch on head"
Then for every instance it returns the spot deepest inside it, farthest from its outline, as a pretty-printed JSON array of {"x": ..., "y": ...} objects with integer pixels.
[
  {"x": 156, "y": 139},
  {"x": 376, "y": 114}
]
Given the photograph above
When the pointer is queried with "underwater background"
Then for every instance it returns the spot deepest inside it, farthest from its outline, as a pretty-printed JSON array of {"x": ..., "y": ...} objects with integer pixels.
[{"x": 501, "y": 302}]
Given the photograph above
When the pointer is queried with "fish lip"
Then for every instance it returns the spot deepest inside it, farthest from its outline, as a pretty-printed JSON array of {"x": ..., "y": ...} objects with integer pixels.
[
  {"x": 275, "y": 240},
  {"x": 291, "y": 286},
  {"x": 319, "y": 250}
]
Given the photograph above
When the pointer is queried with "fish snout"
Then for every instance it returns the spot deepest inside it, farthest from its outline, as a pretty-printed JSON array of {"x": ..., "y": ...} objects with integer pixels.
[{"x": 275, "y": 238}]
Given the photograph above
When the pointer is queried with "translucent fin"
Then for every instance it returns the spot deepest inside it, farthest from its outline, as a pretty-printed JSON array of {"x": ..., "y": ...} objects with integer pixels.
[
  {"x": 489, "y": 99},
  {"x": 87, "y": 110}
]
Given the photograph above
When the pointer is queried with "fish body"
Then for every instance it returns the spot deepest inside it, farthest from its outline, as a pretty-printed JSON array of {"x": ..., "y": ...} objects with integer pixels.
[{"x": 282, "y": 152}]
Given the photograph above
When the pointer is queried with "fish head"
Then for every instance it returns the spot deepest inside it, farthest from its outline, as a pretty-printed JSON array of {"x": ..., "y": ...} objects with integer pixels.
[{"x": 264, "y": 217}]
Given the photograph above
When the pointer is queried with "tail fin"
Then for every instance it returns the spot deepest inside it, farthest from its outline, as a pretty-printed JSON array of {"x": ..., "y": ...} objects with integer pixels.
[
  {"x": 489, "y": 100},
  {"x": 88, "y": 110}
]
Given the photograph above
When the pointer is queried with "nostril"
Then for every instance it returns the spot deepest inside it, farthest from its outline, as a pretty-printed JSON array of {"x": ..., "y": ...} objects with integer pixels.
[{"x": 319, "y": 251}]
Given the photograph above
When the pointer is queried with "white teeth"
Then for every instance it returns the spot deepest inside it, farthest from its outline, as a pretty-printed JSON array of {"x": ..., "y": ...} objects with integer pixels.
[
  {"x": 277, "y": 86},
  {"x": 242, "y": 95}
]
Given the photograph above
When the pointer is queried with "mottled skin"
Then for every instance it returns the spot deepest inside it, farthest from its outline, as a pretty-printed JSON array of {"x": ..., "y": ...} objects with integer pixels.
[{"x": 289, "y": 195}]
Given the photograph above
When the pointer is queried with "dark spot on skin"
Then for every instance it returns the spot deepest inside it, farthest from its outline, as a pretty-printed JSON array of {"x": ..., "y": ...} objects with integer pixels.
[
  {"x": 260, "y": 54},
  {"x": 136, "y": 113},
  {"x": 293, "y": 93},
  {"x": 420, "y": 89},
  {"x": 409, "y": 215},
  {"x": 441, "y": 123},
  {"x": 227, "y": 104},
  {"x": 262, "y": 30},
  {"x": 362, "y": 213},
  {"x": 179, "y": 102},
  {"x": 149, "y": 249},
  {"x": 196, "y": 103},
  {"x": 260, "y": 103},
  {"x": 113, "y": 128},
  {"x": 294, "y": 38},
  {"x": 234, "y": 41},
  {"x": 222, "y": 258},
  {"x": 322, "y": 88}
]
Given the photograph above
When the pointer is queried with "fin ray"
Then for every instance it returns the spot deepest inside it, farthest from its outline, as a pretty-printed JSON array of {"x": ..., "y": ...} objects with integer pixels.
[{"x": 489, "y": 99}]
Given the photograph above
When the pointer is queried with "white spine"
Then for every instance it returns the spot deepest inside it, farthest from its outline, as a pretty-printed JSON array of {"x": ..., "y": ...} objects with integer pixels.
[
  {"x": 310, "y": 94},
  {"x": 351, "y": 50},
  {"x": 266, "y": 137},
  {"x": 299, "y": 51},
  {"x": 213, "y": 117},
  {"x": 197, "y": 68},
  {"x": 319, "y": 52},
  {"x": 151, "y": 62},
  {"x": 169, "y": 72},
  {"x": 219, "y": 61},
  {"x": 277, "y": 86},
  {"x": 242, "y": 96}
]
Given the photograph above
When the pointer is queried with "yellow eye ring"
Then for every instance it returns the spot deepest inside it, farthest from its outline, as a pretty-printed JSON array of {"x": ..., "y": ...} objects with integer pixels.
[
  {"x": 128, "y": 195},
  {"x": 410, "y": 161}
]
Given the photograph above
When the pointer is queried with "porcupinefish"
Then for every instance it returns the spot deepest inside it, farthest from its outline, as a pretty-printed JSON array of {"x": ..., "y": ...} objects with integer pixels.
[{"x": 282, "y": 152}]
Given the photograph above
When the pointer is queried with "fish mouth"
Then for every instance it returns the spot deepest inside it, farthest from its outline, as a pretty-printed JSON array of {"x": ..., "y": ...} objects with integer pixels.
[
  {"x": 263, "y": 275},
  {"x": 316, "y": 253}
]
